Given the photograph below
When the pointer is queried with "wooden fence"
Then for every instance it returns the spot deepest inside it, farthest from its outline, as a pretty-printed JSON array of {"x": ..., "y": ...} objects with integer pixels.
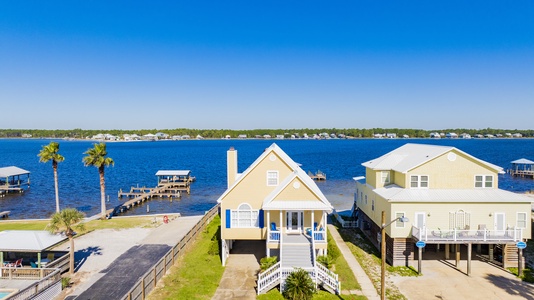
[
  {"x": 149, "y": 280},
  {"x": 61, "y": 263},
  {"x": 49, "y": 279}
]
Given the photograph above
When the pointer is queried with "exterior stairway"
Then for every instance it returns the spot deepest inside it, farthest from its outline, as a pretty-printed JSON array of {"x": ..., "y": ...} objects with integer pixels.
[{"x": 296, "y": 252}]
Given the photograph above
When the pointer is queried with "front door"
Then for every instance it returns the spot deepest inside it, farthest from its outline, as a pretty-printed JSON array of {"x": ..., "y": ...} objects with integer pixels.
[
  {"x": 499, "y": 223},
  {"x": 294, "y": 221},
  {"x": 420, "y": 220}
]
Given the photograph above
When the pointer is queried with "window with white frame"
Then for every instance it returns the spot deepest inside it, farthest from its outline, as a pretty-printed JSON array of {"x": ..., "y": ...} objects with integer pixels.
[
  {"x": 483, "y": 181},
  {"x": 399, "y": 223},
  {"x": 245, "y": 217},
  {"x": 419, "y": 181},
  {"x": 272, "y": 178},
  {"x": 385, "y": 177},
  {"x": 521, "y": 220}
]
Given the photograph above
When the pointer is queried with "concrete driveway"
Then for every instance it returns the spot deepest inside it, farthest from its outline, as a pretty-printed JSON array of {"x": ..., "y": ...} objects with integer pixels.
[
  {"x": 441, "y": 280},
  {"x": 239, "y": 277}
]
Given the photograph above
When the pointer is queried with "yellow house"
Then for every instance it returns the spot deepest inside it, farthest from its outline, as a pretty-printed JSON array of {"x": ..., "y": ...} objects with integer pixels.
[
  {"x": 276, "y": 201},
  {"x": 449, "y": 197}
]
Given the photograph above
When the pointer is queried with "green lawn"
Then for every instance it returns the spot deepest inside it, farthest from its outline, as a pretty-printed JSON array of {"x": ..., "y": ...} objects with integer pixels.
[
  {"x": 320, "y": 295},
  {"x": 197, "y": 274},
  {"x": 23, "y": 225}
]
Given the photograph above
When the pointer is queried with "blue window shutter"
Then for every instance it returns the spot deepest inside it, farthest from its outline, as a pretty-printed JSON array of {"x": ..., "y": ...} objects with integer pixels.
[
  {"x": 228, "y": 218},
  {"x": 260, "y": 218}
]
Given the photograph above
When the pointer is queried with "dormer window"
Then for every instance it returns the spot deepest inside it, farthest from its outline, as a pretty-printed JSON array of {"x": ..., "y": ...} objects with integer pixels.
[
  {"x": 272, "y": 178},
  {"x": 385, "y": 176},
  {"x": 419, "y": 181},
  {"x": 483, "y": 181}
]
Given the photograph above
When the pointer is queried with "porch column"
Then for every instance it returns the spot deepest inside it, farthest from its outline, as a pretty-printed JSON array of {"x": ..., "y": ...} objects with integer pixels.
[
  {"x": 325, "y": 221},
  {"x": 281, "y": 222},
  {"x": 491, "y": 252},
  {"x": 469, "y": 249},
  {"x": 519, "y": 262},
  {"x": 457, "y": 250},
  {"x": 447, "y": 250},
  {"x": 312, "y": 220},
  {"x": 479, "y": 248},
  {"x": 1, "y": 258},
  {"x": 419, "y": 260},
  {"x": 268, "y": 252},
  {"x": 38, "y": 259}
]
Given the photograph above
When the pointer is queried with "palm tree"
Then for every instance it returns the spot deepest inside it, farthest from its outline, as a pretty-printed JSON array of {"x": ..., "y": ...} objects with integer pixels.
[
  {"x": 66, "y": 221},
  {"x": 96, "y": 156},
  {"x": 299, "y": 286},
  {"x": 50, "y": 153}
]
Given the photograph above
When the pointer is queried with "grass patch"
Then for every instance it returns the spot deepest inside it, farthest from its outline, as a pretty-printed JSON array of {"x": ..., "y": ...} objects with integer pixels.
[
  {"x": 122, "y": 223},
  {"x": 369, "y": 258},
  {"x": 23, "y": 225},
  {"x": 320, "y": 295},
  {"x": 341, "y": 267},
  {"x": 528, "y": 271},
  {"x": 528, "y": 275},
  {"x": 197, "y": 274}
]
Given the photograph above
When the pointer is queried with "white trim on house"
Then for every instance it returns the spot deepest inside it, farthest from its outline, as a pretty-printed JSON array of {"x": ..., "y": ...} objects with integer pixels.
[{"x": 272, "y": 180}]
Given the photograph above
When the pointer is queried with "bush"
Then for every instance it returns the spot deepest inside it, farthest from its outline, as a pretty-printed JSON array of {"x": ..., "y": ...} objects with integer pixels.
[
  {"x": 65, "y": 282},
  {"x": 299, "y": 286},
  {"x": 333, "y": 250},
  {"x": 325, "y": 261},
  {"x": 267, "y": 262},
  {"x": 214, "y": 247}
]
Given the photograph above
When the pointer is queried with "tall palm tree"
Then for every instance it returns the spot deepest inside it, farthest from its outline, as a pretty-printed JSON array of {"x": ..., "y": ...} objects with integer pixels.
[
  {"x": 66, "y": 221},
  {"x": 50, "y": 153},
  {"x": 96, "y": 157}
]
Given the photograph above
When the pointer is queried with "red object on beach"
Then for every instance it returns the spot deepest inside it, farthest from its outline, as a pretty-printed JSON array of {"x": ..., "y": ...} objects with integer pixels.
[{"x": 165, "y": 219}]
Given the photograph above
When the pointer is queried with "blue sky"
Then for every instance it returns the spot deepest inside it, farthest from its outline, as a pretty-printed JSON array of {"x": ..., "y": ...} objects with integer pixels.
[{"x": 268, "y": 64}]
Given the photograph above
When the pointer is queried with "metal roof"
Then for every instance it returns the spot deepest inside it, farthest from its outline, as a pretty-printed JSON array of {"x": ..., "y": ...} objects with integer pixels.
[
  {"x": 523, "y": 161},
  {"x": 12, "y": 171},
  {"x": 394, "y": 193},
  {"x": 410, "y": 156},
  {"x": 28, "y": 240},
  {"x": 173, "y": 172}
]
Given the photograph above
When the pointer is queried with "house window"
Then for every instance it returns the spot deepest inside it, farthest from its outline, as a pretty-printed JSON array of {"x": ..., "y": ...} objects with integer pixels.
[
  {"x": 521, "y": 220},
  {"x": 272, "y": 178},
  {"x": 373, "y": 205},
  {"x": 419, "y": 181},
  {"x": 399, "y": 223},
  {"x": 385, "y": 177},
  {"x": 245, "y": 217},
  {"x": 483, "y": 181}
]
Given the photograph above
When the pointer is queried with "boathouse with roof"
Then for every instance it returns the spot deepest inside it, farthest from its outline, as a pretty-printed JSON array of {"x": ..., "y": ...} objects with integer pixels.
[
  {"x": 275, "y": 201},
  {"x": 451, "y": 199},
  {"x": 13, "y": 179}
]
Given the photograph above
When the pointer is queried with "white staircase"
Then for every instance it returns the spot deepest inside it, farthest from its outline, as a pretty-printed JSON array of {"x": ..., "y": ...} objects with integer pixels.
[{"x": 296, "y": 252}]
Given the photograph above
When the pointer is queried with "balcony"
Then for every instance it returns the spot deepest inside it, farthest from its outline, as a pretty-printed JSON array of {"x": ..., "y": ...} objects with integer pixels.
[{"x": 475, "y": 236}]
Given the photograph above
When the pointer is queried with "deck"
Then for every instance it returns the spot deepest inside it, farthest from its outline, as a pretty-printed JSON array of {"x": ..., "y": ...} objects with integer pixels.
[
  {"x": 522, "y": 173},
  {"x": 317, "y": 176}
]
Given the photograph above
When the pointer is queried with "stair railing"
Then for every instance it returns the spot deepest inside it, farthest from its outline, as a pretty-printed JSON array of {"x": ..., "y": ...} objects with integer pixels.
[{"x": 268, "y": 277}]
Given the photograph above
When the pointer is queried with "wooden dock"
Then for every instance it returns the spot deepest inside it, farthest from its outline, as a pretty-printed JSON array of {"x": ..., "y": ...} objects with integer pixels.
[
  {"x": 317, "y": 176},
  {"x": 521, "y": 173}
]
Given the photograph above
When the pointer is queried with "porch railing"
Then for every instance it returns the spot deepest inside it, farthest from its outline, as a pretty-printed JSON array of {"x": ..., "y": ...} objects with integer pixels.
[
  {"x": 273, "y": 236},
  {"x": 49, "y": 285},
  {"x": 456, "y": 235},
  {"x": 269, "y": 278},
  {"x": 319, "y": 236}
]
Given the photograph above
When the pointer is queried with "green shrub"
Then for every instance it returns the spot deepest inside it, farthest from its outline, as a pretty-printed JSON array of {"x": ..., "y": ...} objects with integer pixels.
[
  {"x": 333, "y": 250},
  {"x": 65, "y": 282},
  {"x": 267, "y": 262},
  {"x": 214, "y": 247},
  {"x": 325, "y": 260},
  {"x": 299, "y": 286}
]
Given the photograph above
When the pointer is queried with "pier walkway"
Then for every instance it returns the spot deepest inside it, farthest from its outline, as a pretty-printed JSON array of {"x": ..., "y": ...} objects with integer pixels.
[{"x": 170, "y": 190}]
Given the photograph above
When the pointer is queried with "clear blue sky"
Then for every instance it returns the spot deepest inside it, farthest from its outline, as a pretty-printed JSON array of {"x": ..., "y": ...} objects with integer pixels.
[{"x": 266, "y": 64}]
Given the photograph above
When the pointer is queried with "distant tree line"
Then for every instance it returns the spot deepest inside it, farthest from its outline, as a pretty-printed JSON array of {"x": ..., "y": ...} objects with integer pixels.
[{"x": 221, "y": 133}]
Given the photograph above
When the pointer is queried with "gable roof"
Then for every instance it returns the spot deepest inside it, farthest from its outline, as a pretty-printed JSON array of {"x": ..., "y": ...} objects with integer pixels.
[
  {"x": 292, "y": 165},
  {"x": 12, "y": 171},
  {"x": 269, "y": 203},
  {"x": 410, "y": 156}
]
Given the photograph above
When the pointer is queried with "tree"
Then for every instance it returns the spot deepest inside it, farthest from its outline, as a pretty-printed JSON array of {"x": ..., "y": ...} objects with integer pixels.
[
  {"x": 50, "y": 153},
  {"x": 299, "y": 286},
  {"x": 96, "y": 157},
  {"x": 66, "y": 221}
]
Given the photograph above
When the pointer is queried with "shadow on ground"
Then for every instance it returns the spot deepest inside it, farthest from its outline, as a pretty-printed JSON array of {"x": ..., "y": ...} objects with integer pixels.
[{"x": 80, "y": 256}]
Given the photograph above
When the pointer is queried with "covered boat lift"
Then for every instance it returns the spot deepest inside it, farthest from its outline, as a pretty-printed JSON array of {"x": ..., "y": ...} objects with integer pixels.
[
  {"x": 12, "y": 179},
  {"x": 522, "y": 168}
]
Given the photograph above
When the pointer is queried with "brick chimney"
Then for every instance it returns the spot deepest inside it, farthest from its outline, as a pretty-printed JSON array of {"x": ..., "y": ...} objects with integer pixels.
[{"x": 231, "y": 158}]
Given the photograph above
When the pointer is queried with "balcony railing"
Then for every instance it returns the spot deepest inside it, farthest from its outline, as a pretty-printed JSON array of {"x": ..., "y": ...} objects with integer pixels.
[
  {"x": 456, "y": 235},
  {"x": 273, "y": 236},
  {"x": 319, "y": 236}
]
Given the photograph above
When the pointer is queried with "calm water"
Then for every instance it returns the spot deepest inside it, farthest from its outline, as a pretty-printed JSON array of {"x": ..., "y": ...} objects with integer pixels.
[{"x": 137, "y": 162}]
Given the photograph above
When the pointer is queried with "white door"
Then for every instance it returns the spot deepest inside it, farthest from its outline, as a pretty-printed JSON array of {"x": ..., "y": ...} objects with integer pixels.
[
  {"x": 420, "y": 220},
  {"x": 294, "y": 221},
  {"x": 499, "y": 223}
]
